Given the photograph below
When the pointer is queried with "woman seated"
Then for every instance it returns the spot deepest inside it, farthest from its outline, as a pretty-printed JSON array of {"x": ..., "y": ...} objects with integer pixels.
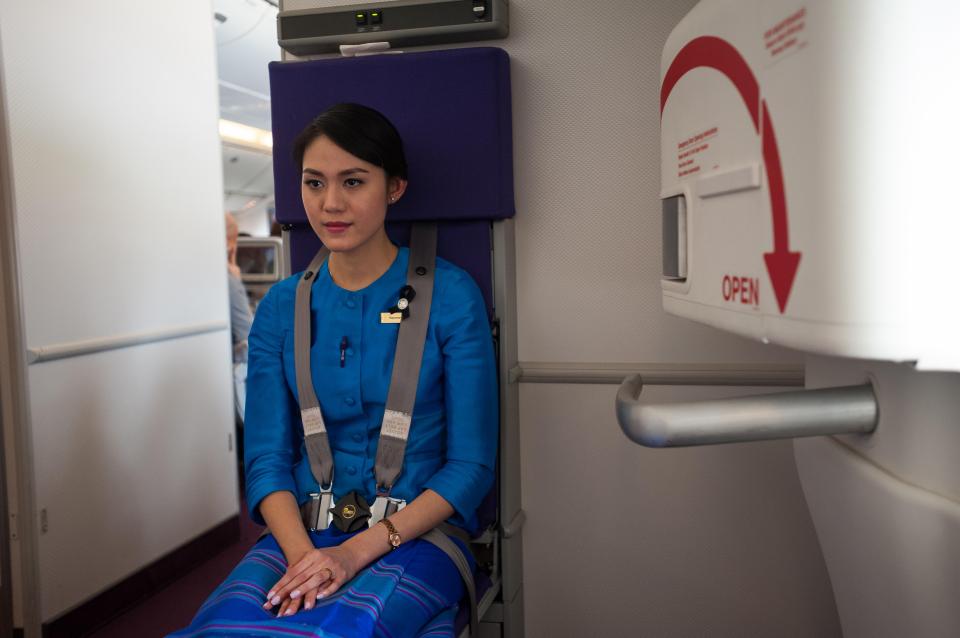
[{"x": 382, "y": 579}]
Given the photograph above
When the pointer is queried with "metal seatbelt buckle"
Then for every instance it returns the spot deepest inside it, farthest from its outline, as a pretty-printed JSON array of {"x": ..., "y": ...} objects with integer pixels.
[
  {"x": 317, "y": 510},
  {"x": 385, "y": 506}
]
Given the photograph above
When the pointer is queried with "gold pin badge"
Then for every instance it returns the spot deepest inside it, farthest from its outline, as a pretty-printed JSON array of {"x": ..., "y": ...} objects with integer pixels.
[{"x": 349, "y": 511}]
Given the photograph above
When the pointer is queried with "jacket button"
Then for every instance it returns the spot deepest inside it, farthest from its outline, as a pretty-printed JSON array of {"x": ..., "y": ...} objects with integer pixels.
[
  {"x": 350, "y": 303},
  {"x": 358, "y": 438},
  {"x": 349, "y": 400},
  {"x": 351, "y": 470}
]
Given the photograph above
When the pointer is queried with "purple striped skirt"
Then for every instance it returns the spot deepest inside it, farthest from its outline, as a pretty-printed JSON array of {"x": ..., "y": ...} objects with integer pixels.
[{"x": 411, "y": 592}]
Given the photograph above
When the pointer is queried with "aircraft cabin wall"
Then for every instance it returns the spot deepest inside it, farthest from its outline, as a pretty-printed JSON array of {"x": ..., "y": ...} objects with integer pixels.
[
  {"x": 622, "y": 539},
  {"x": 111, "y": 118}
]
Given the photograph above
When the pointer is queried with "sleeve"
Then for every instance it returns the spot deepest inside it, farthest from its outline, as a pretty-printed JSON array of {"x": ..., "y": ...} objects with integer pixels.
[
  {"x": 269, "y": 423},
  {"x": 470, "y": 396}
]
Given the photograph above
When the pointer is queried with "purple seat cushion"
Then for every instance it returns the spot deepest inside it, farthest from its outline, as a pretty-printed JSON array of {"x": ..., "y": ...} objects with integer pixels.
[{"x": 452, "y": 109}]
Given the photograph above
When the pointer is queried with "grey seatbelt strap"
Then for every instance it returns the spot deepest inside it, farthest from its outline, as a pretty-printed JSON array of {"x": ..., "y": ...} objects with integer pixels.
[
  {"x": 451, "y": 549},
  {"x": 395, "y": 427},
  {"x": 314, "y": 430}
]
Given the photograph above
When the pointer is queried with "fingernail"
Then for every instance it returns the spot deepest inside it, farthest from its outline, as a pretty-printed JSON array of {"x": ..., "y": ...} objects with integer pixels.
[
  {"x": 267, "y": 605},
  {"x": 319, "y": 596},
  {"x": 276, "y": 600},
  {"x": 295, "y": 594},
  {"x": 273, "y": 592},
  {"x": 289, "y": 612}
]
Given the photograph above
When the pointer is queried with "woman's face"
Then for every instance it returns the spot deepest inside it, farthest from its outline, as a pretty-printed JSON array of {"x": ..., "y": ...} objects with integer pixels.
[{"x": 345, "y": 197}]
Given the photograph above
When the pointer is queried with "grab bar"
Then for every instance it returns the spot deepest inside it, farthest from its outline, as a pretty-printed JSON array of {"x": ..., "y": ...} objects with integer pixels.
[{"x": 784, "y": 415}]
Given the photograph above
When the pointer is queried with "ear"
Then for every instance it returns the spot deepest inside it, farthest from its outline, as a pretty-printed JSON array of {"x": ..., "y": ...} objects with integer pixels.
[{"x": 396, "y": 187}]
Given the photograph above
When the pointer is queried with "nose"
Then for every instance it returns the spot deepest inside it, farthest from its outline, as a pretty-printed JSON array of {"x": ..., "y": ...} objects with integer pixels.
[{"x": 333, "y": 200}]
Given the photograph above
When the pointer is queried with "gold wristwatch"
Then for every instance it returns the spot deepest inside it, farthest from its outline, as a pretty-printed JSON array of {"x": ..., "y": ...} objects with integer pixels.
[{"x": 393, "y": 536}]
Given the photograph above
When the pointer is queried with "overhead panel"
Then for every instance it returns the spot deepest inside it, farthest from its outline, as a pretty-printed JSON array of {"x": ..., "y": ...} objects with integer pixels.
[{"x": 305, "y": 32}]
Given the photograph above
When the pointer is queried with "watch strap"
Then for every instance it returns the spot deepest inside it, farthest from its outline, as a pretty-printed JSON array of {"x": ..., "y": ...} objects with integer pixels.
[{"x": 393, "y": 536}]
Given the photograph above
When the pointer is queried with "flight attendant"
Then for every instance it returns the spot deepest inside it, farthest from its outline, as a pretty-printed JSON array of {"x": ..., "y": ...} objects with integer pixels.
[{"x": 383, "y": 579}]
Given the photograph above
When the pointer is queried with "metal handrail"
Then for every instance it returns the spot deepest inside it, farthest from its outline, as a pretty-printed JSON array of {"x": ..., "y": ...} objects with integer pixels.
[
  {"x": 92, "y": 346},
  {"x": 843, "y": 410}
]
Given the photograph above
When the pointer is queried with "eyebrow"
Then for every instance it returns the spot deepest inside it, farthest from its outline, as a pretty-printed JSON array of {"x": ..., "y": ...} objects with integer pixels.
[{"x": 349, "y": 171}]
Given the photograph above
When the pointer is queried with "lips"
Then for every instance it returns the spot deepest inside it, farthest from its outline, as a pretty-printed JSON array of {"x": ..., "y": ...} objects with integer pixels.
[{"x": 336, "y": 227}]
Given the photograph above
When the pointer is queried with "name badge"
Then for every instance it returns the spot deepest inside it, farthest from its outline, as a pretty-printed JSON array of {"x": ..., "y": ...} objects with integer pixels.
[{"x": 391, "y": 317}]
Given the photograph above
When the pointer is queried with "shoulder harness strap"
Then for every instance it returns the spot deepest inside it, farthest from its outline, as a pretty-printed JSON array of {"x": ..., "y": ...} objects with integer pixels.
[
  {"x": 314, "y": 430},
  {"x": 398, "y": 414},
  {"x": 395, "y": 427}
]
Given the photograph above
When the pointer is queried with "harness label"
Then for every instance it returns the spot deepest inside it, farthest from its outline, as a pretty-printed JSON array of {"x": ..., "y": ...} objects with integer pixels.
[
  {"x": 395, "y": 424},
  {"x": 312, "y": 421}
]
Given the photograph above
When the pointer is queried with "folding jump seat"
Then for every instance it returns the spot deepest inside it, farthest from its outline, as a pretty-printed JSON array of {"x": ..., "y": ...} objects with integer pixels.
[{"x": 452, "y": 109}]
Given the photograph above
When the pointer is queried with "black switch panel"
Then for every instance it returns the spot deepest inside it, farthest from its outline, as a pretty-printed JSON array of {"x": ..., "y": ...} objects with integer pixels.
[{"x": 411, "y": 23}]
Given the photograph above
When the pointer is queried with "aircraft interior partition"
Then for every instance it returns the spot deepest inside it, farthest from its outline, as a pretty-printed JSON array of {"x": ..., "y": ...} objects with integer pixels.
[{"x": 453, "y": 111}]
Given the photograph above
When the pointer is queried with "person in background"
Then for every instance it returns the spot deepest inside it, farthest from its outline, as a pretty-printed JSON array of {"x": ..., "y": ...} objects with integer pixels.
[
  {"x": 240, "y": 321},
  {"x": 240, "y": 316}
]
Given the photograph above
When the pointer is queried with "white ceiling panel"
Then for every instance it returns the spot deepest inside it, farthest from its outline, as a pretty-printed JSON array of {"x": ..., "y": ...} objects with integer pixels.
[
  {"x": 246, "y": 38},
  {"x": 246, "y": 172},
  {"x": 245, "y": 107},
  {"x": 246, "y": 43}
]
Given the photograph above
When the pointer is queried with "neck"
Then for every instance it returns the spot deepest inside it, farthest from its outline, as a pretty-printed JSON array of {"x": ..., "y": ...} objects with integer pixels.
[{"x": 364, "y": 264}]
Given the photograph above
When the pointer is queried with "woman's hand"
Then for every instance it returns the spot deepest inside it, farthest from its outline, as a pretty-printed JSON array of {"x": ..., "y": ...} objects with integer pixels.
[{"x": 319, "y": 573}]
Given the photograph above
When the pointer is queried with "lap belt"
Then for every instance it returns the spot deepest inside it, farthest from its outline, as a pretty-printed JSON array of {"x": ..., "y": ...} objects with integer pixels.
[
  {"x": 397, "y": 416},
  {"x": 452, "y": 550}
]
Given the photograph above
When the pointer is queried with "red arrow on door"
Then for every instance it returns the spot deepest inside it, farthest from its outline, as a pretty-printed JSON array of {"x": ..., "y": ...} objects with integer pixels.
[{"x": 718, "y": 54}]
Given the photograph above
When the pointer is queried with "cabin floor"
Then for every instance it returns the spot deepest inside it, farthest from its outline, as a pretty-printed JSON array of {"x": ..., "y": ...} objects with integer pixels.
[{"x": 173, "y": 607}]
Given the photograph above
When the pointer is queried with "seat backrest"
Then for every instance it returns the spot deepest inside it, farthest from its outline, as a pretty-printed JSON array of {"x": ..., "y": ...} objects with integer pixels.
[{"x": 452, "y": 109}]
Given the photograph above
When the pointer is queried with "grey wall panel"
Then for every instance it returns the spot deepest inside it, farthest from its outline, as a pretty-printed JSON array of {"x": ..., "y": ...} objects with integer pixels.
[
  {"x": 623, "y": 540},
  {"x": 712, "y": 541}
]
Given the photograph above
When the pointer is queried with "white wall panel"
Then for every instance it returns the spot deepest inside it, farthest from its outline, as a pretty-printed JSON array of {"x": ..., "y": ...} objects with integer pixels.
[
  {"x": 132, "y": 459},
  {"x": 113, "y": 130},
  {"x": 112, "y": 116}
]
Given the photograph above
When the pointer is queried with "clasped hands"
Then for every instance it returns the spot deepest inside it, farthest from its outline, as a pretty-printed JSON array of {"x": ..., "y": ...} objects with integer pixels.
[{"x": 318, "y": 574}]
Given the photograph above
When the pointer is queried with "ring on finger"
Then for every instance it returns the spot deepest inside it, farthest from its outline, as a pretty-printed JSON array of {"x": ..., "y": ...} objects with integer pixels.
[{"x": 330, "y": 571}]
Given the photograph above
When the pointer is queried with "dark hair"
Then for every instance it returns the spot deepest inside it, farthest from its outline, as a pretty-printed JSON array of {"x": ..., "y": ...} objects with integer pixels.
[{"x": 360, "y": 131}]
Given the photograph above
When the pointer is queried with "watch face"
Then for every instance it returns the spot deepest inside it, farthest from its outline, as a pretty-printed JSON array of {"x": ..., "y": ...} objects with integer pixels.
[{"x": 395, "y": 540}]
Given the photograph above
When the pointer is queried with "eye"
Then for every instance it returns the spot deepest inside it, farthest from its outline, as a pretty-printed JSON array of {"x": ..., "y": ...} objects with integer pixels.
[
  {"x": 352, "y": 182},
  {"x": 313, "y": 183}
]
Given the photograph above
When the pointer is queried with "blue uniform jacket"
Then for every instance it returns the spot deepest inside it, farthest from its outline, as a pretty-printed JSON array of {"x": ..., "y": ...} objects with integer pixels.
[{"x": 453, "y": 436}]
